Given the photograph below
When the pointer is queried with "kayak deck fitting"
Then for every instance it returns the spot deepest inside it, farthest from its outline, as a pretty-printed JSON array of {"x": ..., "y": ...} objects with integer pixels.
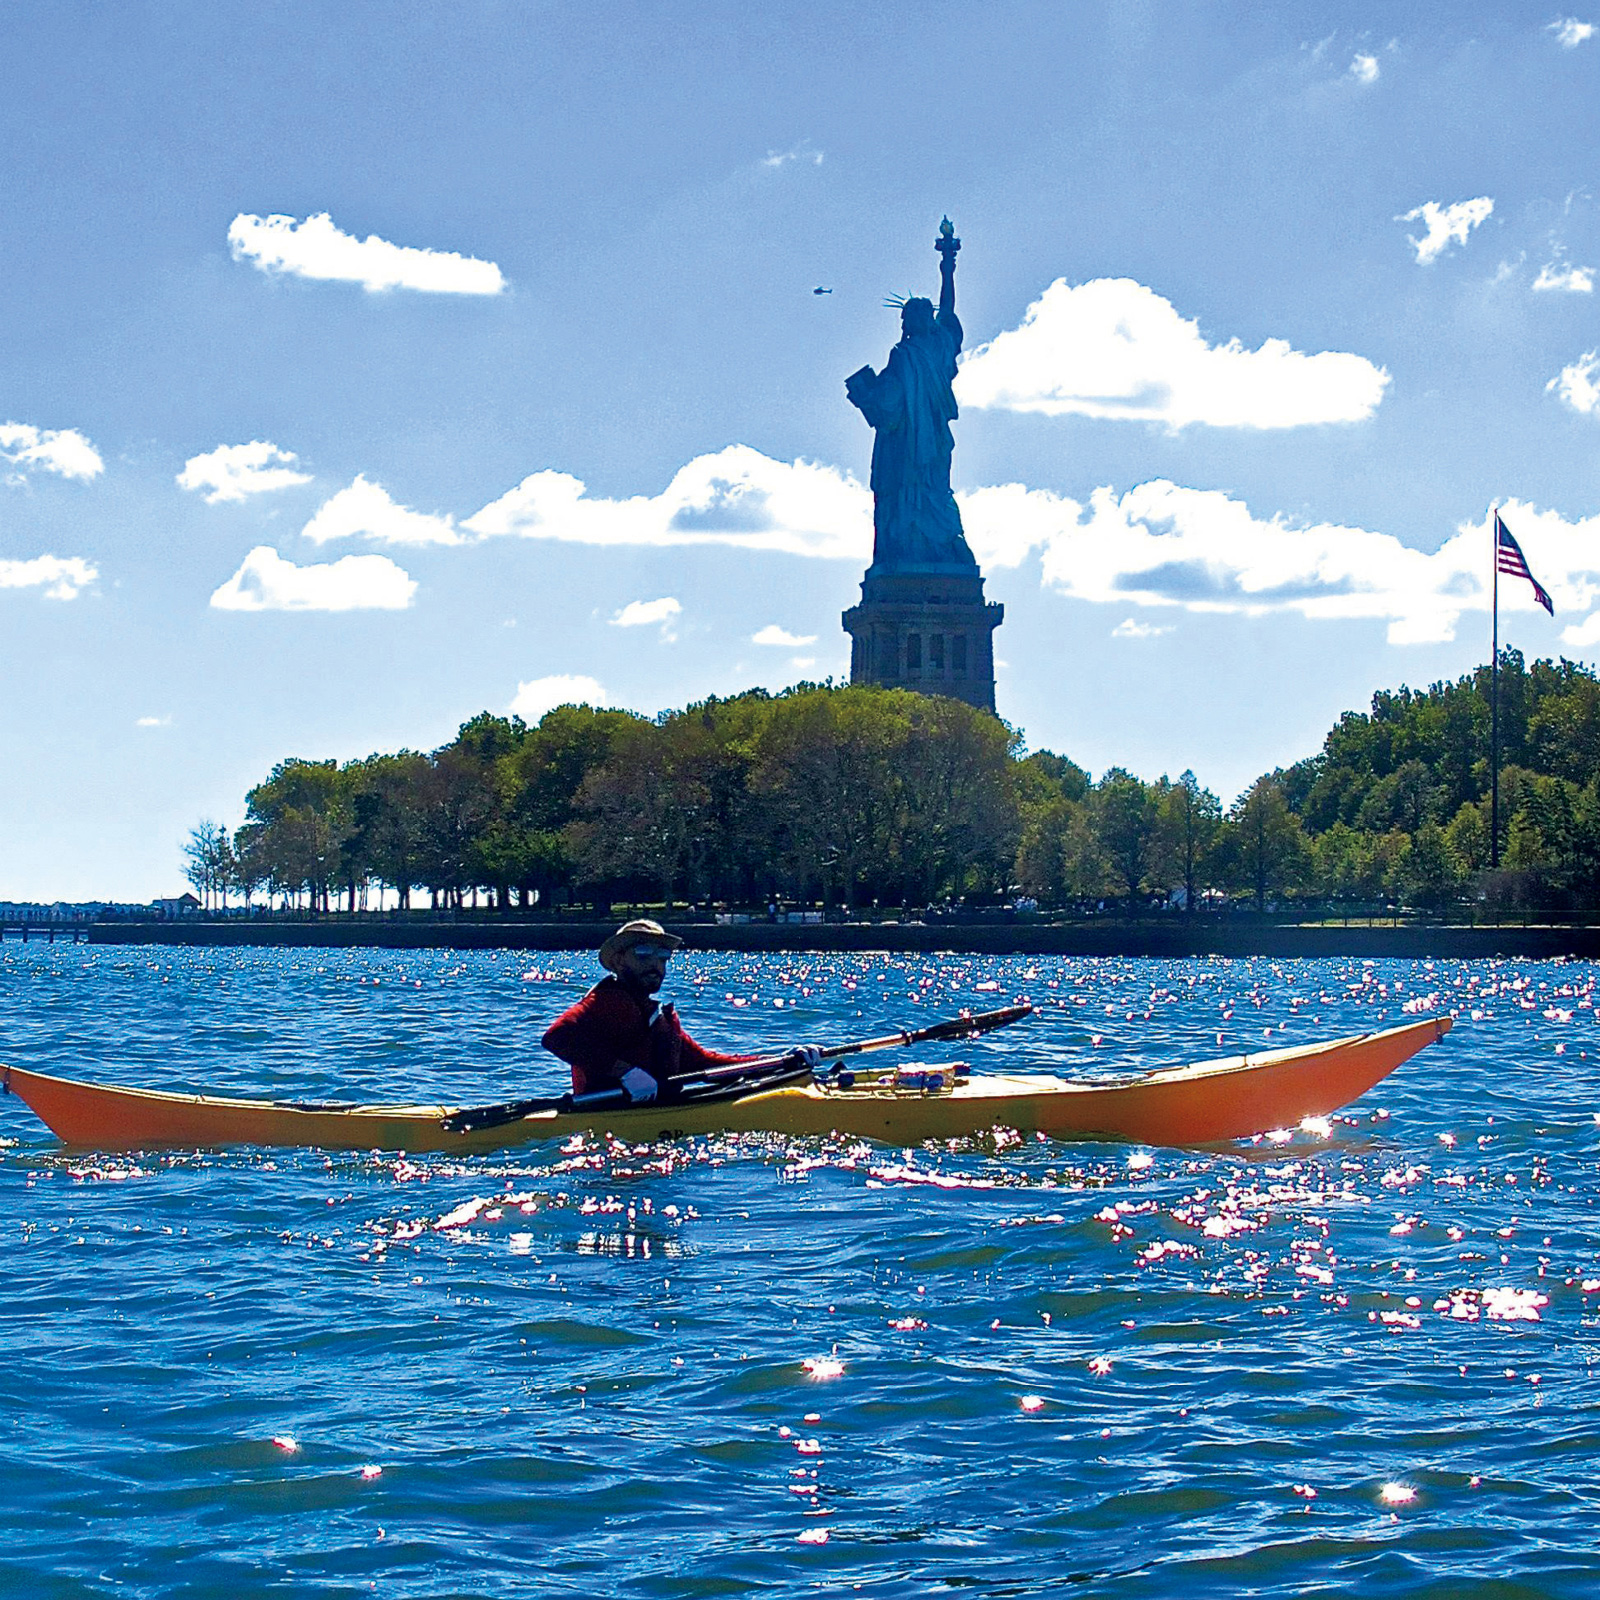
[{"x": 1204, "y": 1103}]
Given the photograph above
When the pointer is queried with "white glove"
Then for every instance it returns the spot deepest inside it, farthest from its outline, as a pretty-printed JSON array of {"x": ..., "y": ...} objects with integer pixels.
[
  {"x": 810, "y": 1055},
  {"x": 641, "y": 1087}
]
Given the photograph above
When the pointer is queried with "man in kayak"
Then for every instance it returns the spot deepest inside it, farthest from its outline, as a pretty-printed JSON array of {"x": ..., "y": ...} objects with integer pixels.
[{"x": 617, "y": 1037}]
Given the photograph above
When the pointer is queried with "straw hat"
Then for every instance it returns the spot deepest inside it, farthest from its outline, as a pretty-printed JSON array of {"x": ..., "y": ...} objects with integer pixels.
[{"x": 643, "y": 931}]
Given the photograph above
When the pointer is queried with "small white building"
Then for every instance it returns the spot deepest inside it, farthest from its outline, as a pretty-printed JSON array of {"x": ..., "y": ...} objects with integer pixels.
[{"x": 183, "y": 905}]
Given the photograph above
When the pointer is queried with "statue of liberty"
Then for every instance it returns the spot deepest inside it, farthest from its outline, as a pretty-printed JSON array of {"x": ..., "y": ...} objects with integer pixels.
[{"x": 910, "y": 405}]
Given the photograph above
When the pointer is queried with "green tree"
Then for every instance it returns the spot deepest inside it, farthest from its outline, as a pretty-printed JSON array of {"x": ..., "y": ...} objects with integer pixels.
[
  {"x": 387, "y": 800},
  {"x": 1430, "y": 876},
  {"x": 1382, "y": 864},
  {"x": 1267, "y": 846},
  {"x": 1467, "y": 839},
  {"x": 826, "y": 762},
  {"x": 957, "y": 827},
  {"x": 1122, "y": 811},
  {"x": 210, "y": 865},
  {"x": 543, "y": 777},
  {"x": 1400, "y": 800},
  {"x": 1187, "y": 822},
  {"x": 1337, "y": 863},
  {"x": 642, "y": 812},
  {"x": 302, "y": 817},
  {"x": 1047, "y": 799},
  {"x": 1087, "y": 868}
]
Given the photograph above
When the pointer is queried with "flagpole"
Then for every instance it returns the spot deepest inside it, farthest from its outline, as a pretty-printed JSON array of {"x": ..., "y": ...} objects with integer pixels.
[{"x": 1494, "y": 696}]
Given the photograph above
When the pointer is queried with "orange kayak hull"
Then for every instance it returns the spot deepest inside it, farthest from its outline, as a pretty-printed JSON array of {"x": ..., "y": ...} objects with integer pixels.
[{"x": 1205, "y": 1103}]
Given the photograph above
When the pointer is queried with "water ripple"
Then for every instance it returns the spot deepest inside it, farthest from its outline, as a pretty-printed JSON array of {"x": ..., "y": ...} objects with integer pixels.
[{"x": 1354, "y": 1359}]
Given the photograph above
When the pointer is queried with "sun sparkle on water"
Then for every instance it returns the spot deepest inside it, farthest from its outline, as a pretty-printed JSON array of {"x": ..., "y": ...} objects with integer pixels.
[{"x": 645, "y": 1310}]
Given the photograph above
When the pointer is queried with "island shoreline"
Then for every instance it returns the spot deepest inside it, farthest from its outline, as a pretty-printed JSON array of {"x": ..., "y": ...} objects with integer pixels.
[{"x": 1163, "y": 941}]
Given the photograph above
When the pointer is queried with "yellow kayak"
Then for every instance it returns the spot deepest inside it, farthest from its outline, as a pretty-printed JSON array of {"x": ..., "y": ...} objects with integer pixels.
[{"x": 1204, "y": 1103}]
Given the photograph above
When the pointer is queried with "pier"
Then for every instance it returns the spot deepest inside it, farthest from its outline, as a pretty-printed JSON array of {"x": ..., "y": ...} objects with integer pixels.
[{"x": 66, "y": 932}]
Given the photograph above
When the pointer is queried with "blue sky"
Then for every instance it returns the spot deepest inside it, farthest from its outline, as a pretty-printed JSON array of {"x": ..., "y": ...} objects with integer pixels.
[{"x": 364, "y": 367}]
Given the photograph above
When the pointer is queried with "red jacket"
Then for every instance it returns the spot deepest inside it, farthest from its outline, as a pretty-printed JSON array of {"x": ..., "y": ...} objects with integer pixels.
[{"x": 613, "y": 1023}]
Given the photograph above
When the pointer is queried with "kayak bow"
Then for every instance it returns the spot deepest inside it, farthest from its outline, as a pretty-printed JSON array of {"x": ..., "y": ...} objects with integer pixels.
[{"x": 1204, "y": 1103}]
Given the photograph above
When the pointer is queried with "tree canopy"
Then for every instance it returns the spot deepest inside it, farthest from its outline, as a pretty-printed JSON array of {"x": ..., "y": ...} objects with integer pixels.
[{"x": 857, "y": 795}]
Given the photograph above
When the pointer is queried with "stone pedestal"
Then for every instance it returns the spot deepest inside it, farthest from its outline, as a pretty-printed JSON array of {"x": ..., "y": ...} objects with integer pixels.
[{"x": 930, "y": 630}]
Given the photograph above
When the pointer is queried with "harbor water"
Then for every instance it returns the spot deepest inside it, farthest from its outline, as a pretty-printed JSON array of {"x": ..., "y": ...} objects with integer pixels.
[{"x": 1351, "y": 1358}]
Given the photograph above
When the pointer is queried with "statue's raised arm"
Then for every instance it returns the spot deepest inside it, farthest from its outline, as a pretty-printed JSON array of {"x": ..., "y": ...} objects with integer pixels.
[
  {"x": 910, "y": 406},
  {"x": 948, "y": 245}
]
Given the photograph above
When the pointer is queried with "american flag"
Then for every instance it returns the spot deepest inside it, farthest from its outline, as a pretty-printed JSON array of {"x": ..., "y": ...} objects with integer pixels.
[{"x": 1509, "y": 558}]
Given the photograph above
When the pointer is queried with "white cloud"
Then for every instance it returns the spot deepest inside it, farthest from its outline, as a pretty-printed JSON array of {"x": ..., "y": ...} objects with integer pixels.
[
  {"x": 153, "y": 722},
  {"x": 800, "y": 152},
  {"x": 1006, "y": 522},
  {"x": 1446, "y": 225},
  {"x": 236, "y": 471},
  {"x": 1160, "y": 545},
  {"x": 63, "y": 451},
  {"x": 646, "y": 613},
  {"x": 1576, "y": 384},
  {"x": 740, "y": 497},
  {"x": 267, "y": 582},
  {"x": 364, "y": 510},
  {"x": 1156, "y": 546},
  {"x": 774, "y": 635},
  {"x": 1112, "y": 348},
  {"x": 1558, "y": 275},
  {"x": 317, "y": 249},
  {"x": 61, "y": 577},
  {"x": 1364, "y": 69},
  {"x": 1569, "y": 32},
  {"x": 1132, "y": 628},
  {"x": 559, "y": 689},
  {"x": 736, "y": 496}
]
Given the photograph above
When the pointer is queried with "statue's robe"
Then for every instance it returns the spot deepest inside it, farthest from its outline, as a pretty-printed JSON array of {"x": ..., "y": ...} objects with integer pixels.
[{"x": 910, "y": 405}]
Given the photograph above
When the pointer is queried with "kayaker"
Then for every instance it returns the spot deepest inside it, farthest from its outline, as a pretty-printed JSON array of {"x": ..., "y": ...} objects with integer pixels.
[{"x": 617, "y": 1037}]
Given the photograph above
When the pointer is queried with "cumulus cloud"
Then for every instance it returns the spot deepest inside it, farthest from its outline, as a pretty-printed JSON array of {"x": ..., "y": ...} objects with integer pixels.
[
  {"x": 1160, "y": 545},
  {"x": 1156, "y": 546},
  {"x": 1569, "y": 32},
  {"x": 237, "y": 471},
  {"x": 365, "y": 511},
  {"x": 540, "y": 695},
  {"x": 736, "y": 496},
  {"x": 1132, "y": 628},
  {"x": 61, "y": 577},
  {"x": 1576, "y": 385},
  {"x": 1112, "y": 348},
  {"x": 1572, "y": 280},
  {"x": 153, "y": 722},
  {"x": 739, "y": 497},
  {"x": 1006, "y": 522},
  {"x": 1364, "y": 69},
  {"x": 1445, "y": 225},
  {"x": 647, "y": 613},
  {"x": 315, "y": 248},
  {"x": 267, "y": 582},
  {"x": 63, "y": 451},
  {"x": 774, "y": 635}
]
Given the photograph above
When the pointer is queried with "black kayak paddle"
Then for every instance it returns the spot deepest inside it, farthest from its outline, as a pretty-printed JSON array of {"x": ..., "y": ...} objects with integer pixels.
[{"x": 738, "y": 1078}]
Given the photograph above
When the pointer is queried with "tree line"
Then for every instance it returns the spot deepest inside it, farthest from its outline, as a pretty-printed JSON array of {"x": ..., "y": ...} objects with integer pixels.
[{"x": 857, "y": 796}]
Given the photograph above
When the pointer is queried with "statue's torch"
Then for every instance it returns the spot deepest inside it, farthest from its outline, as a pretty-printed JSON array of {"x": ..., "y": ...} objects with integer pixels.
[{"x": 947, "y": 244}]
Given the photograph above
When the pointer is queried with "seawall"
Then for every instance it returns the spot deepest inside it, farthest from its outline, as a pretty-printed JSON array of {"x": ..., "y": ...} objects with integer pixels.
[{"x": 1167, "y": 940}]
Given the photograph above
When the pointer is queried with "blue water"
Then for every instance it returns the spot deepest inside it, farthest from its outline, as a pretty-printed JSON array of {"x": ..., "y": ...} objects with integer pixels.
[{"x": 1355, "y": 1359}]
